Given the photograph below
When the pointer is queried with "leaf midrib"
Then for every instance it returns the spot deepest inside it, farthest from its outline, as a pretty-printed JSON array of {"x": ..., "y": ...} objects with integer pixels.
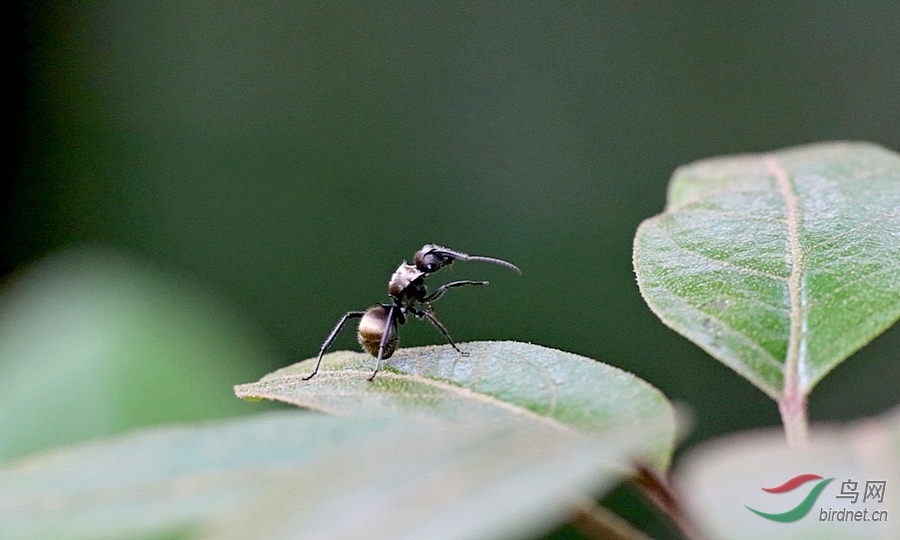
[
  {"x": 794, "y": 360},
  {"x": 466, "y": 393}
]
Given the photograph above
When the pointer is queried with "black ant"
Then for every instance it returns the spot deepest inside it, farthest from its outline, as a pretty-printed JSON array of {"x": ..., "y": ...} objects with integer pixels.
[{"x": 378, "y": 325}]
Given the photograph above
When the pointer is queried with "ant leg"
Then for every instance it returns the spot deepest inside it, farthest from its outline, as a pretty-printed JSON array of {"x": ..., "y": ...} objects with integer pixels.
[
  {"x": 331, "y": 336},
  {"x": 384, "y": 339},
  {"x": 443, "y": 288},
  {"x": 433, "y": 320}
]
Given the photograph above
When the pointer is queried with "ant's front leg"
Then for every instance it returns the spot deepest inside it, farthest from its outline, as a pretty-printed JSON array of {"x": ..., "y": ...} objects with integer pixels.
[
  {"x": 330, "y": 339},
  {"x": 443, "y": 288},
  {"x": 422, "y": 313}
]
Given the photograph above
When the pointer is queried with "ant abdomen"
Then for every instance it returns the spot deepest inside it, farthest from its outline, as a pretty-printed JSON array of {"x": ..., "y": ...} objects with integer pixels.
[{"x": 372, "y": 327}]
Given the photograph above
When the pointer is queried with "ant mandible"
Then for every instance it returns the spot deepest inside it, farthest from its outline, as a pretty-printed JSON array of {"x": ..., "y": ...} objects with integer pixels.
[{"x": 378, "y": 325}]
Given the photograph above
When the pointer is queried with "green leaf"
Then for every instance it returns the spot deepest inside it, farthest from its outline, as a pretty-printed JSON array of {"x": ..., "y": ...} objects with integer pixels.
[
  {"x": 779, "y": 265},
  {"x": 498, "y": 381},
  {"x": 93, "y": 343},
  {"x": 721, "y": 480},
  {"x": 301, "y": 475}
]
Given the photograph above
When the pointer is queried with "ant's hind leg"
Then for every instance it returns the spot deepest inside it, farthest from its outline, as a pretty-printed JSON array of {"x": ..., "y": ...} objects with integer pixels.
[
  {"x": 384, "y": 340},
  {"x": 330, "y": 339},
  {"x": 421, "y": 313}
]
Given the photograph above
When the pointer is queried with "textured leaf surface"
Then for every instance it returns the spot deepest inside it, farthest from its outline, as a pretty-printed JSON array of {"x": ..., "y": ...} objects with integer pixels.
[
  {"x": 496, "y": 381},
  {"x": 720, "y": 479},
  {"x": 779, "y": 265},
  {"x": 300, "y": 475}
]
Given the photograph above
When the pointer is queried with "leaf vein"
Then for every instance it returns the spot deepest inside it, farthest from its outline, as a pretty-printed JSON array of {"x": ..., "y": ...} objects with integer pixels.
[
  {"x": 772, "y": 360},
  {"x": 834, "y": 239},
  {"x": 551, "y": 385},
  {"x": 467, "y": 393},
  {"x": 729, "y": 213},
  {"x": 862, "y": 277},
  {"x": 725, "y": 263},
  {"x": 705, "y": 196},
  {"x": 793, "y": 400}
]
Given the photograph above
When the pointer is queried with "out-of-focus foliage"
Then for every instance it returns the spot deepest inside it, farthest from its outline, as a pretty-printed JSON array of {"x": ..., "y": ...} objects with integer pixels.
[
  {"x": 92, "y": 344},
  {"x": 289, "y": 476},
  {"x": 722, "y": 478}
]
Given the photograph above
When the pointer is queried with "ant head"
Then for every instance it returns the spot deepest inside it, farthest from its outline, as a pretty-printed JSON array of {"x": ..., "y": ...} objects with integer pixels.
[{"x": 432, "y": 258}]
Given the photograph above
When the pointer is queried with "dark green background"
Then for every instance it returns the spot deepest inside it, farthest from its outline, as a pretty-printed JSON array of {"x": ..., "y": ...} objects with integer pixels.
[{"x": 283, "y": 158}]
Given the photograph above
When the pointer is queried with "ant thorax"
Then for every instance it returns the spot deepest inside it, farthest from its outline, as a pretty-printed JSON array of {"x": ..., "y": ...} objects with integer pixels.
[{"x": 405, "y": 275}]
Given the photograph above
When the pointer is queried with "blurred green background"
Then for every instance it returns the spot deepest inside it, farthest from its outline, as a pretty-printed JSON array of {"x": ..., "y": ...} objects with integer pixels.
[{"x": 199, "y": 190}]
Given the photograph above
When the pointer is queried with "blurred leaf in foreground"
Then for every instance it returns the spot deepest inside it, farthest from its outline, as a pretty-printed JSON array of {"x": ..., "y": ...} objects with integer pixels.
[
  {"x": 301, "y": 475},
  {"x": 496, "y": 381},
  {"x": 720, "y": 479},
  {"x": 92, "y": 343}
]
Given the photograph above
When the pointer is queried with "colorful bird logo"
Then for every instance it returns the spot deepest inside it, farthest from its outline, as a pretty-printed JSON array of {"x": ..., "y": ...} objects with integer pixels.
[{"x": 805, "y": 505}]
